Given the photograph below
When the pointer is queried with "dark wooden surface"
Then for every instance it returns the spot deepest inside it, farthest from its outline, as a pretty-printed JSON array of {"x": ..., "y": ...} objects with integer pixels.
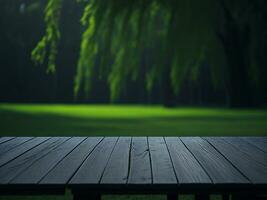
[{"x": 133, "y": 164}]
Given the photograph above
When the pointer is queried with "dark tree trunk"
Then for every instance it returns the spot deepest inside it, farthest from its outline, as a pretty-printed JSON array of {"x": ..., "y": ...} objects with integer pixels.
[
  {"x": 239, "y": 90},
  {"x": 168, "y": 96},
  {"x": 235, "y": 39}
]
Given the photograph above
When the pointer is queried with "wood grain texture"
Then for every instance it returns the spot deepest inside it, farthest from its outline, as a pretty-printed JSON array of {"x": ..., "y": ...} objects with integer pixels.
[
  {"x": 15, "y": 167},
  {"x": 256, "y": 172},
  {"x": 92, "y": 169},
  {"x": 5, "y": 139},
  {"x": 140, "y": 167},
  {"x": 219, "y": 169},
  {"x": 247, "y": 148},
  {"x": 259, "y": 142},
  {"x": 116, "y": 171},
  {"x": 6, "y": 146},
  {"x": 19, "y": 150},
  {"x": 187, "y": 168},
  {"x": 162, "y": 168},
  {"x": 133, "y": 164},
  {"x": 34, "y": 173},
  {"x": 62, "y": 174}
]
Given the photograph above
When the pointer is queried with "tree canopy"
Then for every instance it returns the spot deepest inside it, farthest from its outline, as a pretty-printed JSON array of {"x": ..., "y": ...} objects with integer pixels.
[{"x": 168, "y": 40}]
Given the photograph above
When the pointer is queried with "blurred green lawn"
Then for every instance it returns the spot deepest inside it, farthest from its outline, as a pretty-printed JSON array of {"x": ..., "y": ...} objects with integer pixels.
[
  {"x": 110, "y": 120},
  {"x": 90, "y": 120}
]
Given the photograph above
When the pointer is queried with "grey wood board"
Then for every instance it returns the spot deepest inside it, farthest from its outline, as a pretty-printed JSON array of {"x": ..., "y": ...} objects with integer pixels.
[
  {"x": 116, "y": 171},
  {"x": 259, "y": 142},
  {"x": 19, "y": 150},
  {"x": 90, "y": 172},
  {"x": 254, "y": 171},
  {"x": 34, "y": 173},
  {"x": 5, "y": 139},
  {"x": 187, "y": 168},
  {"x": 15, "y": 167},
  {"x": 219, "y": 169},
  {"x": 252, "y": 151},
  {"x": 137, "y": 162},
  {"x": 62, "y": 173},
  {"x": 4, "y": 147},
  {"x": 140, "y": 166},
  {"x": 162, "y": 168}
]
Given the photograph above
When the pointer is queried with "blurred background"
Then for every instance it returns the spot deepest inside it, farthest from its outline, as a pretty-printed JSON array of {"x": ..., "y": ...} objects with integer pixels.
[{"x": 135, "y": 68}]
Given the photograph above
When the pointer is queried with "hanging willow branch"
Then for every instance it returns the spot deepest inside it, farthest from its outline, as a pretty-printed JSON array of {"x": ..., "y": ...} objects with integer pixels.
[
  {"x": 47, "y": 46},
  {"x": 127, "y": 35}
]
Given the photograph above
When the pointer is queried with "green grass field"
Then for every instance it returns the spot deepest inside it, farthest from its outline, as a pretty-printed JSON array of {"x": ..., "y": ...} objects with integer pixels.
[
  {"x": 108, "y": 120},
  {"x": 18, "y": 119}
]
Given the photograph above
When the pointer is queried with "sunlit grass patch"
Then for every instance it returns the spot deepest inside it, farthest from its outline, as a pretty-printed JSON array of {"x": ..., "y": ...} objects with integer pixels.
[{"x": 127, "y": 111}]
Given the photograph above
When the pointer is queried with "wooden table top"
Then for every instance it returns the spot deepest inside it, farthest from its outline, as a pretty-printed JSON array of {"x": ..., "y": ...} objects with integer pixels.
[{"x": 132, "y": 163}]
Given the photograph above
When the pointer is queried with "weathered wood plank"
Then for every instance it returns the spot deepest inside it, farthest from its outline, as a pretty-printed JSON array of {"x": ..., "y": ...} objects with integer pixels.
[
  {"x": 219, "y": 169},
  {"x": 116, "y": 171},
  {"x": 12, "y": 154},
  {"x": 34, "y": 173},
  {"x": 162, "y": 169},
  {"x": 62, "y": 174},
  {"x": 92, "y": 169},
  {"x": 13, "y": 168},
  {"x": 259, "y": 142},
  {"x": 252, "y": 151},
  {"x": 140, "y": 167},
  {"x": 160, "y": 164},
  {"x": 187, "y": 168},
  {"x": 5, "y": 139},
  {"x": 4, "y": 147},
  {"x": 255, "y": 171}
]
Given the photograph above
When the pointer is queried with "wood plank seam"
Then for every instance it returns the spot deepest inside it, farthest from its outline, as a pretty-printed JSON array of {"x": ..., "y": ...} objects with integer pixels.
[
  {"x": 22, "y": 162},
  {"x": 253, "y": 144},
  {"x": 229, "y": 161},
  {"x": 140, "y": 169},
  {"x": 252, "y": 156},
  {"x": 255, "y": 171},
  {"x": 150, "y": 160},
  {"x": 61, "y": 159},
  {"x": 24, "y": 152},
  {"x": 171, "y": 160},
  {"x": 91, "y": 170},
  {"x": 7, "y": 140},
  {"x": 217, "y": 157},
  {"x": 163, "y": 171},
  {"x": 108, "y": 160},
  {"x": 85, "y": 159},
  {"x": 36, "y": 171},
  {"x": 40, "y": 157},
  {"x": 197, "y": 161},
  {"x": 13, "y": 147},
  {"x": 23, "y": 142},
  {"x": 117, "y": 168},
  {"x": 129, "y": 160}
]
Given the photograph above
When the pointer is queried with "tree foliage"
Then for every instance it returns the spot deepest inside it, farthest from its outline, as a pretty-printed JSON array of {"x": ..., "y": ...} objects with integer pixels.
[
  {"x": 47, "y": 46},
  {"x": 121, "y": 37}
]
